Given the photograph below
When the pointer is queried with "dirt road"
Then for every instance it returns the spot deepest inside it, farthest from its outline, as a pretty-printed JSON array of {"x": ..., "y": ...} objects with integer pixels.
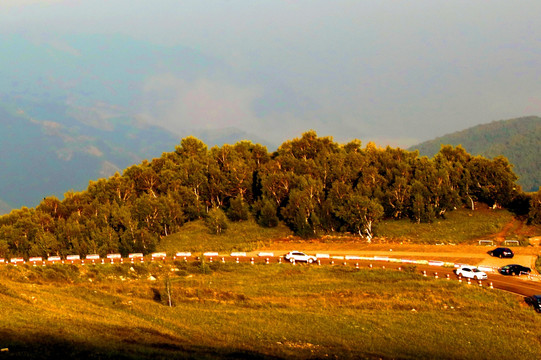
[{"x": 466, "y": 254}]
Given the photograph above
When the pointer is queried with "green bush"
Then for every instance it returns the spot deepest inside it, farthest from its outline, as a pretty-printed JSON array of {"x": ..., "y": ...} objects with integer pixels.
[{"x": 216, "y": 221}]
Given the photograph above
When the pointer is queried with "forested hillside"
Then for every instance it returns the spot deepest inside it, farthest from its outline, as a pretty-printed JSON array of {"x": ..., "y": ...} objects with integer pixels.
[
  {"x": 519, "y": 140},
  {"x": 48, "y": 149},
  {"x": 312, "y": 184}
]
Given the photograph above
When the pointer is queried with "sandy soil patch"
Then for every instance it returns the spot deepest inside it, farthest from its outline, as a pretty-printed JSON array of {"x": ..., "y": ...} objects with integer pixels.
[{"x": 469, "y": 254}]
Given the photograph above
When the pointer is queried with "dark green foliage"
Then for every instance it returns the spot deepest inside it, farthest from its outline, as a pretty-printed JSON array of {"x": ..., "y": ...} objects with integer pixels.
[
  {"x": 359, "y": 213},
  {"x": 520, "y": 205},
  {"x": 516, "y": 139},
  {"x": 312, "y": 184},
  {"x": 216, "y": 221},
  {"x": 534, "y": 215},
  {"x": 267, "y": 215},
  {"x": 238, "y": 209}
]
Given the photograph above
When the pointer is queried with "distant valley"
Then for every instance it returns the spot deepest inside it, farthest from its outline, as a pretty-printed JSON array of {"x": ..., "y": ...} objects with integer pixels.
[
  {"x": 66, "y": 119},
  {"x": 78, "y": 109},
  {"x": 41, "y": 157}
]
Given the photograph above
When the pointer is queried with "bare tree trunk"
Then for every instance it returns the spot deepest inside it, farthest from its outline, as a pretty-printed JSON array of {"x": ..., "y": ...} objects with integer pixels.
[
  {"x": 368, "y": 230},
  {"x": 168, "y": 290},
  {"x": 472, "y": 203}
]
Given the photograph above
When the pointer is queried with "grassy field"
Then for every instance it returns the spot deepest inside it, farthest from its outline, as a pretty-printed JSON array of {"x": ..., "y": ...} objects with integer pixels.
[
  {"x": 459, "y": 227},
  {"x": 233, "y": 311},
  {"x": 256, "y": 311},
  {"x": 240, "y": 236}
]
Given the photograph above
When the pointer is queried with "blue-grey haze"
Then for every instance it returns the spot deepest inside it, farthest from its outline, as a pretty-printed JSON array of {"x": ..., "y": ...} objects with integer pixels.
[{"x": 393, "y": 72}]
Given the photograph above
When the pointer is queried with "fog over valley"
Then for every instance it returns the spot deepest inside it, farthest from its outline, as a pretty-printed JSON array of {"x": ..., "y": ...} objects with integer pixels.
[{"x": 113, "y": 82}]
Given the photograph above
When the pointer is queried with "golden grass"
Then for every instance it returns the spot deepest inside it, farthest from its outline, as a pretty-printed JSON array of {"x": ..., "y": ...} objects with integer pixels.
[
  {"x": 239, "y": 236},
  {"x": 462, "y": 226},
  {"x": 459, "y": 226},
  {"x": 258, "y": 311}
]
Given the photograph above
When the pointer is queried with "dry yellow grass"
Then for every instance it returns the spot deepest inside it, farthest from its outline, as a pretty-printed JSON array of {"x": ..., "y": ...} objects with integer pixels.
[{"x": 262, "y": 311}]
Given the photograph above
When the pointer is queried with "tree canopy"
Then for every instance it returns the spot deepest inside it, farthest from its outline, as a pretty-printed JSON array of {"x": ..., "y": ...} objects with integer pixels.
[
  {"x": 516, "y": 139},
  {"x": 311, "y": 183}
]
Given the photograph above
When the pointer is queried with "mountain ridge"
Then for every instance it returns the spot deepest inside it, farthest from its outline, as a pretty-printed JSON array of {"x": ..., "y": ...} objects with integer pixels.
[
  {"x": 83, "y": 111},
  {"x": 48, "y": 152},
  {"x": 517, "y": 139}
]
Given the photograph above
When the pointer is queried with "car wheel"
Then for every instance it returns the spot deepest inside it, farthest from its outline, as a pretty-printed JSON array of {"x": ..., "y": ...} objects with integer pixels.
[
  {"x": 291, "y": 260},
  {"x": 310, "y": 261}
]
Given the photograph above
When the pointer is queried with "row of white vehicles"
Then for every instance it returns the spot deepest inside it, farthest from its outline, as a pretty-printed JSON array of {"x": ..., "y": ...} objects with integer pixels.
[{"x": 466, "y": 271}]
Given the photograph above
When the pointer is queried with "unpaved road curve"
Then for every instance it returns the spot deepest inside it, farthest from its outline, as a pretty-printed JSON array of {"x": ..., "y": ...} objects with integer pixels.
[{"x": 466, "y": 254}]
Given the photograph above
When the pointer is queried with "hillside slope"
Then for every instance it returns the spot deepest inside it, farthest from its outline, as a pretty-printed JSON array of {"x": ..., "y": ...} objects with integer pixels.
[
  {"x": 519, "y": 140},
  {"x": 123, "y": 312},
  {"x": 42, "y": 157}
]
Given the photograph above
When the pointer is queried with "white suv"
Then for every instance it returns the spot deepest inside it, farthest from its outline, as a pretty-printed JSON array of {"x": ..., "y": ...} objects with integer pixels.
[
  {"x": 471, "y": 272},
  {"x": 299, "y": 256}
]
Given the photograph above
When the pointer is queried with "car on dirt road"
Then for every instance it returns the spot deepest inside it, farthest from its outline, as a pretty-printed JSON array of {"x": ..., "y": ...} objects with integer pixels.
[
  {"x": 502, "y": 252},
  {"x": 299, "y": 256},
  {"x": 515, "y": 269},
  {"x": 471, "y": 272},
  {"x": 534, "y": 301}
]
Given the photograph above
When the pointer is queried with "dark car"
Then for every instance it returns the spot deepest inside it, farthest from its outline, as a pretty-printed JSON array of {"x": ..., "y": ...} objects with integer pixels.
[
  {"x": 534, "y": 301},
  {"x": 514, "y": 269},
  {"x": 501, "y": 252}
]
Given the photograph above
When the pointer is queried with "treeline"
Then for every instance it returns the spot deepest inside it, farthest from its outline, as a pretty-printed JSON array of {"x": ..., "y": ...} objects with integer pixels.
[
  {"x": 516, "y": 139},
  {"x": 312, "y": 184}
]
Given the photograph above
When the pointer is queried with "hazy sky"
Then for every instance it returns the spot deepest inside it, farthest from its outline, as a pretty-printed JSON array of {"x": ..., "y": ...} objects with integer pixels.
[{"x": 395, "y": 72}]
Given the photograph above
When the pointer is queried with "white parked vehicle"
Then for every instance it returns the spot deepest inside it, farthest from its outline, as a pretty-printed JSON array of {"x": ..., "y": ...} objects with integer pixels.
[
  {"x": 299, "y": 256},
  {"x": 470, "y": 272}
]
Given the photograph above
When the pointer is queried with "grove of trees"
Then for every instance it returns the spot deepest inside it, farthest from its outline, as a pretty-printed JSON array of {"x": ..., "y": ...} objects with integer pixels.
[
  {"x": 312, "y": 184},
  {"x": 516, "y": 139}
]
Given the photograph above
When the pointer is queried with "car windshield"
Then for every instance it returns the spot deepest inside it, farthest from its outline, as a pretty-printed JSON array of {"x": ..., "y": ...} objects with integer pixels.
[{"x": 476, "y": 270}]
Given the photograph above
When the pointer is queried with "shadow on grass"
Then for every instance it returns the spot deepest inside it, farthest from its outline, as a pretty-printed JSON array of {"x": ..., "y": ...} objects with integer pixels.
[{"x": 45, "y": 346}]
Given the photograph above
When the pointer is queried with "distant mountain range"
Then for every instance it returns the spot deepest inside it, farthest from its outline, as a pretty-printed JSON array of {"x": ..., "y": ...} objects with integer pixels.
[
  {"x": 76, "y": 109},
  {"x": 519, "y": 140},
  {"x": 41, "y": 157},
  {"x": 70, "y": 112}
]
